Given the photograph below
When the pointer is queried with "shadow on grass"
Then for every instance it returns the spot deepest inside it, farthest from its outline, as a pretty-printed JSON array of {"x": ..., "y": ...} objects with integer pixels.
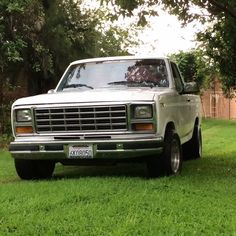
[
  {"x": 206, "y": 167},
  {"x": 210, "y": 167},
  {"x": 119, "y": 170}
]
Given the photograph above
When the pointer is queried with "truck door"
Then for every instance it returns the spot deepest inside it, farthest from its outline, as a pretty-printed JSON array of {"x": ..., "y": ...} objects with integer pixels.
[{"x": 183, "y": 106}]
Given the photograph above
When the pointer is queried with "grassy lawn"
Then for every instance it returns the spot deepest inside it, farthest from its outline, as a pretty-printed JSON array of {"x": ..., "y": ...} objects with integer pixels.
[{"x": 122, "y": 201}]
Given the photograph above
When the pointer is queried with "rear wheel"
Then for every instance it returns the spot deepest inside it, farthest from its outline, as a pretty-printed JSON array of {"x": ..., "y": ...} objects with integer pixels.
[
  {"x": 34, "y": 169},
  {"x": 193, "y": 148},
  {"x": 170, "y": 162}
]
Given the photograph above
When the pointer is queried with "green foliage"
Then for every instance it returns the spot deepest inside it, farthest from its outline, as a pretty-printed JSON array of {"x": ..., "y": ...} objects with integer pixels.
[
  {"x": 188, "y": 66},
  {"x": 5, "y": 111},
  {"x": 5, "y": 139},
  {"x": 218, "y": 40},
  {"x": 219, "y": 43},
  {"x": 207, "y": 10},
  {"x": 44, "y": 36},
  {"x": 120, "y": 200},
  {"x": 12, "y": 50},
  {"x": 40, "y": 38},
  {"x": 194, "y": 66},
  {"x": 139, "y": 8}
]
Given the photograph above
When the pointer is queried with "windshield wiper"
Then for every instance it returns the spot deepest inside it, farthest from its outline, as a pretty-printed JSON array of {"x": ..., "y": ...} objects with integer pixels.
[
  {"x": 119, "y": 82},
  {"x": 77, "y": 86},
  {"x": 133, "y": 83}
]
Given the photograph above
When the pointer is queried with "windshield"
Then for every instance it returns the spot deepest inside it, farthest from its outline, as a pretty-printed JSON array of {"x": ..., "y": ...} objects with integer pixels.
[{"x": 130, "y": 73}]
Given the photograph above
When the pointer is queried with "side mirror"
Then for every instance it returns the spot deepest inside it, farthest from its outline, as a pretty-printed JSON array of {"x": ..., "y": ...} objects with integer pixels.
[
  {"x": 51, "y": 91},
  {"x": 191, "y": 87}
]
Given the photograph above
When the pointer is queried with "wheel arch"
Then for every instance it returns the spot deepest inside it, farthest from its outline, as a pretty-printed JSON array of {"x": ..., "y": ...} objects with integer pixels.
[
  {"x": 169, "y": 126},
  {"x": 197, "y": 121},
  {"x": 196, "y": 124}
]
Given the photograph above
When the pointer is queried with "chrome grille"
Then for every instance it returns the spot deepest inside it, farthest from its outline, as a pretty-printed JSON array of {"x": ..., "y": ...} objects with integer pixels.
[{"x": 81, "y": 119}]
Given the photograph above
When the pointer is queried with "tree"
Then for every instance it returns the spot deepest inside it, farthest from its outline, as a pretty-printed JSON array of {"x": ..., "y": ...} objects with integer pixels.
[
  {"x": 182, "y": 8},
  {"x": 44, "y": 36},
  {"x": 190, "y": 66},
  {"x": 218, "y": 41},
  {"x": 195, "y": 66},
  {"x": 39, "y": 38}
]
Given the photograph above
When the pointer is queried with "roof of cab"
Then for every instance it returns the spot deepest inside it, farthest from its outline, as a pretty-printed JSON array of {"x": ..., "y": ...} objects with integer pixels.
[{"x": 116, "y": 58}]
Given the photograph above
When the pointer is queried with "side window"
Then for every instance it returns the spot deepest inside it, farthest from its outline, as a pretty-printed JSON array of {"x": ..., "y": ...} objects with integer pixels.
[{"x": 177, "y": 77}]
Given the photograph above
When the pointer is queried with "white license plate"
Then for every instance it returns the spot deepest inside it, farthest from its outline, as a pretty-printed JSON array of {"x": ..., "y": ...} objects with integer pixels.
[{"x": 80, "y": 151}]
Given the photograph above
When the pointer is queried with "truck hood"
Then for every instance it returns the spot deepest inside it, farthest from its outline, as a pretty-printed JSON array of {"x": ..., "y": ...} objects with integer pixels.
[{"x": 96, "y": 95}]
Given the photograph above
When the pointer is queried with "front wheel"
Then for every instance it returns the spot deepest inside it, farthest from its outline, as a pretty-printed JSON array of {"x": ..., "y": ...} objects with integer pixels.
[
  {"x": 34, "y": 169},
  {"x": 172, "y": 154},
  {"x": 170, "y": 162}
]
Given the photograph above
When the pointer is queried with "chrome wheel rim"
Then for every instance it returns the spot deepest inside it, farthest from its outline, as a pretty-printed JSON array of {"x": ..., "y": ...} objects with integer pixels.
[
  {"x": 175, "y": 156},
  {"x": 200, "y": 142}
]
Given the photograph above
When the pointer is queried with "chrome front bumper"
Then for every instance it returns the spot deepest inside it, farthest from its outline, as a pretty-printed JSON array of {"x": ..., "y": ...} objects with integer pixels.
[{"x": 102, "y": 149}]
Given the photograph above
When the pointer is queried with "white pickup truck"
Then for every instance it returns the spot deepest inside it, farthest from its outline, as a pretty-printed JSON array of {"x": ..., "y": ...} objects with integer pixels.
[{"x": 109, "y": 110}]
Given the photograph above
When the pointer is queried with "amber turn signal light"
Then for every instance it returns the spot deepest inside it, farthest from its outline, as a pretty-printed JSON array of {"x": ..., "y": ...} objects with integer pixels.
[
  {"x": 143, "y": 127},
  {"x": 24, "y": 129}
]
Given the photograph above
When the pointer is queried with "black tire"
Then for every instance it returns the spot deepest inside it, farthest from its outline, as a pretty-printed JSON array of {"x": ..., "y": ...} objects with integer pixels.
[
  {"x": 34, "y": 169},
  {"x": 170, "y": 162},
  {"x": 193, "y": 148},
  {"x": 45, "y": 169},
  {"x": 173, "y": 157}
]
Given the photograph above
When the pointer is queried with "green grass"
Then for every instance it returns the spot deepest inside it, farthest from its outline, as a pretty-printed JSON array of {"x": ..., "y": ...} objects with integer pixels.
[{"x": 122, "y": 201}]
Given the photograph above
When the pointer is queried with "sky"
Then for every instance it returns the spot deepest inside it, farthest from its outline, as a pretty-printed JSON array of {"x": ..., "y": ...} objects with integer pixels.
[{"x": 164, "y": 36}]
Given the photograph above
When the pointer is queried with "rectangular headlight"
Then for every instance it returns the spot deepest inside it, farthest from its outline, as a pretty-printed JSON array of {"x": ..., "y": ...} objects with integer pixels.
[
  {"x": 23, "y": 115},
  {"x": 143, "y": 111}
]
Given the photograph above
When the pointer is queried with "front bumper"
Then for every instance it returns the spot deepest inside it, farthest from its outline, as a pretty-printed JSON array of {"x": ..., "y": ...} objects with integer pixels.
[{"x": 102, "y": 149}]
